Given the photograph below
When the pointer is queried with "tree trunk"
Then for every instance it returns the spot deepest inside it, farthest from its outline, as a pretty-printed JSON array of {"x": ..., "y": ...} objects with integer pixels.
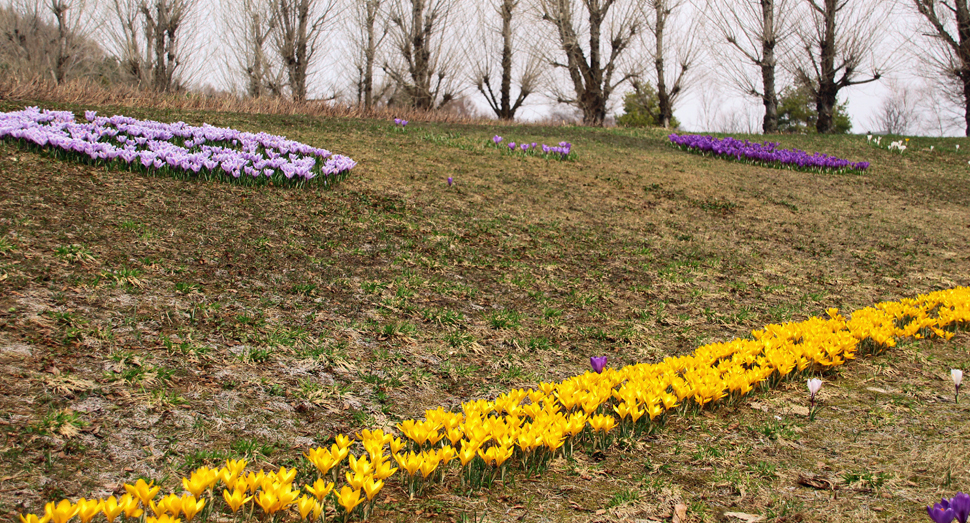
[
  {"x": 828, "y": 90},
  {"x": 506, "y": 94},
  {"x": 664, "y": 106},
  {"x": 770, "y": 97}
]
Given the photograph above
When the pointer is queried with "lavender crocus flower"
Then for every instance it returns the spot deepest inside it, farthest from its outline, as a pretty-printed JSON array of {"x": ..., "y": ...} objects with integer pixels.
[
  {"x": 450, "y": 181},
  {"x": 497, "y": 139},
  {"x": 598, "y": 363}
]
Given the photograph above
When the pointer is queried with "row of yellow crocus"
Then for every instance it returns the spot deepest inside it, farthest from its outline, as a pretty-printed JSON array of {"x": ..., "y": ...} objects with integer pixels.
[{"x": 529, "y": 427}]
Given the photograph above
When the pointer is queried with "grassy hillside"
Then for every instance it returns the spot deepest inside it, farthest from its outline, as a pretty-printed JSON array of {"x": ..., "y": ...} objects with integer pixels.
[{"x": 150, "y": 325}]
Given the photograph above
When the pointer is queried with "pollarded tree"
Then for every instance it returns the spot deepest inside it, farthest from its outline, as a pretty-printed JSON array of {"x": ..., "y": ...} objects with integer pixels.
[
  {"x": 421, "y": 68},
  {"x": 298, "y": 28},
  {"x": 500, "y": 99},
  {"x": 149, "y": 37},
  {"x": 838, "y": 38},
  {"x": 594, "y": 74},
  {"x": 368, "y": 31},
  {"x": 250, "y": 25},
  {"x": 673, "y": 54},
  {"x": 948, "y": 26},
  {"x": 757, "y": 32}
]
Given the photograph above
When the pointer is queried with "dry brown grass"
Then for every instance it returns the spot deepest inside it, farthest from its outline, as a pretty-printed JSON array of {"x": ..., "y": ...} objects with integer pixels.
[{"x": 84, "y": 92}]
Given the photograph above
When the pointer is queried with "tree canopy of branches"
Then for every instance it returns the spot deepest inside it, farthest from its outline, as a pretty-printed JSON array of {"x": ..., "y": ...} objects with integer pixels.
[
  {"x": 756, "y": 31},
  {"x": 298, "y": 28},
  {"x": 837, "y": 38},
  {"x": 591, "y": 72},
  {"x": 948, "y": 24},
  {"x": 250, "y": 25},
  {"x": 149, "y": 35},
  {"x": 500, "y": 99},
  {"x": 48, "y": 39},
  {"x": 421, "y": 69}
]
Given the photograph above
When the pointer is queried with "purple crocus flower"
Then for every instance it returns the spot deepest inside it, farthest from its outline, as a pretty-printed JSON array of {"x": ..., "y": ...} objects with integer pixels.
[
  {"x": 598, "y": 363},
  {"x": 960, "y": 504},
  {"x": 450, "y": 181},
  {"x": 940, "y": 514},
  {"x": 497, "y": 139},
  {"x": 512, "y": 146}
]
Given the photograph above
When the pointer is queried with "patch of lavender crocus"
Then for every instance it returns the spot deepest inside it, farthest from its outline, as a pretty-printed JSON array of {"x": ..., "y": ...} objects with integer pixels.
[
  {"x": 766, "y": 153},
  {"x": 560, "y": 152},
  {"x": 177, "y": 148}
]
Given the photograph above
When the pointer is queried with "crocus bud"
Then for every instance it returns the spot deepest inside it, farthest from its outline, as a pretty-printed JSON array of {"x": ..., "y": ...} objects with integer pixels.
[
  {"x": 450, "y": 181},
  {"x": 813, "y": 385},
  {"x": 598, "y": 363}
]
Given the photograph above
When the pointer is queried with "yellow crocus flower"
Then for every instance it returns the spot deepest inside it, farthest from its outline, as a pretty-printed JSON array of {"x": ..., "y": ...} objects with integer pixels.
[
  {"x": 355, "y": 480},
  {"x": 62, "y": 512},
  {"x": 87, "y": 509},
  {"x": 32, "y": 518},
  {"x": 145, "y": 492},
  {"x": 112, "y": 509},
  {"x": 383, "y": 470},
  {"x": 164, "y": 518},
  {"x": 429, "y": 463},
  {"x": 397, "y": 445},
  {"x": 343, "y": 441},
  {"x": 235, "y": 499},
  {"x": 322, "y": 459},
  {"x": 170, "y": 504},
  {"x": 286, "y": 476},
  {"x": 410, "y": 462},
  {"x": 130, "y": 505},
  {"x": 268, "y": 502},
  {"x": 320, "y": 488},
  {"x": 360, "y": 465},
  {"x": 191, "y": 506},
  {"x": 467, "y": 452},
  {"x": 349, "y": 498},
  {"x": 196, "y": 485},
  {"x": 372, "y": 487},
  {"x": 305, "y": 505}
]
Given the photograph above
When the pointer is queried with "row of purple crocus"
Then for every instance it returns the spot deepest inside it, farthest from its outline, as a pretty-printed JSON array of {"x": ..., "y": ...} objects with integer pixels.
[
  {"x": 177, "y": 148},
  {"x": 766, "y": 153},
  {"x": 560, "y": 152}
]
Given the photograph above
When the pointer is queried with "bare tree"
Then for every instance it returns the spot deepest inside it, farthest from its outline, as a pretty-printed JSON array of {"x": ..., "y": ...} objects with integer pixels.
[
  {"x": 671, "y": 81},
  {"x": 590, "y": 71},
  {"x": 299, "y": 25},
  {"x": 421, "y": 68},
  {"x": 757, "y": 30},
  {"x": 249, "y": 25},
  {"x": 149, "y": 39},
  {"x": 838, "y": 37},
  {"x": 49, "y": 39},
  {"x": 898, "y": 114},
  {"x": 500, "y": 99},
  {"x": 369, "y": 31},
  {"x": 947, "y": 24}
]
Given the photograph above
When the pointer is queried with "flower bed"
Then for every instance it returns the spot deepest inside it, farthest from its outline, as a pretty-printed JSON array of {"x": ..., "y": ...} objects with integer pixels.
[
  {"x": 176, "y": 149},
  {"x": 522, "y": 430},
  {"x": 767, "y": 154},
  {"x": 561, "y": 152}
]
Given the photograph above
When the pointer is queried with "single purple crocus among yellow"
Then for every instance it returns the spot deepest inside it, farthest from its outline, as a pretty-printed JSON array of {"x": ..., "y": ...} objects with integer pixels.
[{"x": 598, "y": 363}]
